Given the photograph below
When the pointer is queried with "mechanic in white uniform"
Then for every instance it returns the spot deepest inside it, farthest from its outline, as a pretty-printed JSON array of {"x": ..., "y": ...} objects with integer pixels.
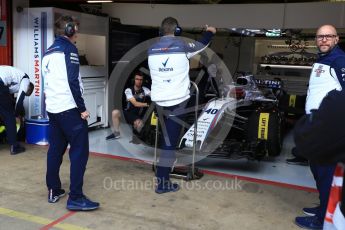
[
  {"x": 13, "y": 80},
  {"x": 138, "y": 97},
  {"x": 168, "y": 61}
]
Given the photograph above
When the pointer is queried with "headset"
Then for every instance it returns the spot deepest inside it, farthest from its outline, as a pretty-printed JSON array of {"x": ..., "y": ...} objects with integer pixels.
[
  {"x": 177, "y": 31},
  {"x": 70, "y": 29},
  {"x": 70, "y": 26},
  {"x": 67, "y": 25}
]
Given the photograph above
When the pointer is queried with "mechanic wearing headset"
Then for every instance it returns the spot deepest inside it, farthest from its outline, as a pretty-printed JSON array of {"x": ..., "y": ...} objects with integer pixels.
[
  {"x": 13, "y": 80},
  {"x": 168, "y": 61},
  {"x": 327, "y": 76},
  {"x": 67, "y": 116}
]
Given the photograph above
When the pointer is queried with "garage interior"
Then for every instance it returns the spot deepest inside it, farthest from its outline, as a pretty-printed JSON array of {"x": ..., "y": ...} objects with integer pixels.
[{"x": 277, "y": 41}]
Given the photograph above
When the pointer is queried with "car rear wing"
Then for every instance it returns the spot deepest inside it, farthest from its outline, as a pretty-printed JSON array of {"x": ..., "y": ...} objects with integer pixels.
[{"x": 272, "y": 84}]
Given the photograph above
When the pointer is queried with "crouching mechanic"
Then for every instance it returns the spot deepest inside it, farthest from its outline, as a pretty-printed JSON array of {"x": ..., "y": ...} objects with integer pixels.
[
  {"x": 169, "y": 68},
  {"x": 67, "y": 116},
  {"x": 13, "y": 80},
  {"x": 138, "y": 97}
]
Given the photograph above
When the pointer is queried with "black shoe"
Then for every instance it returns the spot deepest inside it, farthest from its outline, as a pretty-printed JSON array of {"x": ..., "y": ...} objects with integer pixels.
[
  {"x": 16, "y": 149},
  {"x": 114, "y": 135},
  {"x": 135, "y": 140},
  {"x": 81, "y": 204},
  {"x": 311, "y": 211},
  {"x": 297, "y": 161},
  {"x": 309, "y": 222},
  {"x": 54, "y": 195},
  {"x": 167, "y": 187}
]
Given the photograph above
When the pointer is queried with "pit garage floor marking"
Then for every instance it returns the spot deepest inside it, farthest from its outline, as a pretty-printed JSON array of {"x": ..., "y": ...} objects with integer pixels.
[
  {"x": 227, "y": 175},
  {"x": 276, "y": 172},
  {"x": 41, "y": 220},
  {"x": 260, "y": 181}
]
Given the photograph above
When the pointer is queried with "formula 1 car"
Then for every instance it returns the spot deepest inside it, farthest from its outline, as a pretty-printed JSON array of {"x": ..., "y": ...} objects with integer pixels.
[
  {"x": 245, "y": 123},
  {"x": 250, "y": 117}
]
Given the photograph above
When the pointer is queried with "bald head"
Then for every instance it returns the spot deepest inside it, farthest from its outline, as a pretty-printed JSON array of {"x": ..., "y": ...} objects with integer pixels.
[
  {"x": 329, "y": 29},
  {"x": 326, "y": 38}
]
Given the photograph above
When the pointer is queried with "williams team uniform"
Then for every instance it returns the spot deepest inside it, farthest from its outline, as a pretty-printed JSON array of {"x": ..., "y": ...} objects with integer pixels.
[
  {"x": 12, "y": 80},
  {"x": 131, "y": 112},
  {"x": 327, "y": 79},
  {"x": 64, "y": 103},
  {"x": 168, "y": 61},
  {"x": 62, "y": 83},
  {"x": 327, "y": 74},
  {"x": 169, "y": 68}
]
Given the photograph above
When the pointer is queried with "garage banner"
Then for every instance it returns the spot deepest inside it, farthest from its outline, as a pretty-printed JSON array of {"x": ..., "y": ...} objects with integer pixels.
[{"x": 37, "y": 37}]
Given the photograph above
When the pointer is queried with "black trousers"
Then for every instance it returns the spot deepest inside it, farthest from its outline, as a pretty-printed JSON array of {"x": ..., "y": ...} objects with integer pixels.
[
  {"x": 169, "y": 121},
  {"x": 323, "y": 175},
  {"x": 67, "y": 128},
  {"x": 7, "y": 113}
]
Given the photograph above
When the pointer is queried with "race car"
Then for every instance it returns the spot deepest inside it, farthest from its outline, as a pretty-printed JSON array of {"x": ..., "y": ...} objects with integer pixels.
[{"x": 246, "y": 123}]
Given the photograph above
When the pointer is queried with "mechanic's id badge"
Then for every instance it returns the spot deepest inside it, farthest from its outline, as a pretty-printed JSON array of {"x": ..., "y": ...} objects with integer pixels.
[{"x": 263, "y": 126}]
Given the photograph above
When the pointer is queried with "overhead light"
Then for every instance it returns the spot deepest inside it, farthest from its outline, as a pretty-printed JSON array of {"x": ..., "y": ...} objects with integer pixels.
[
  {"x": 243, "y": 31},
  {"x": 274, "y": 33},
  {"x": 99, "y": 1}
]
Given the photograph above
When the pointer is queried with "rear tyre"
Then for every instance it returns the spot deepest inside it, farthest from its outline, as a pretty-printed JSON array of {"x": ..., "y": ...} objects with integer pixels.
[{"x": 264, "y": 128}]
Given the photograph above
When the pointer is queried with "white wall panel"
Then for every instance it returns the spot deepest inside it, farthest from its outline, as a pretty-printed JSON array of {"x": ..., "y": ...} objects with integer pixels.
[
  {"x": 312, "y": 15},
  {"x": 291, "y": 15},
  {"x": 221, "y": 16}
]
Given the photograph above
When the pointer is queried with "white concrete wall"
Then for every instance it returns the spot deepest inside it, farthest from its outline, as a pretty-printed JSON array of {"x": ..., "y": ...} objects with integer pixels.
[
  {"x": 291, "y": 15},
  {"x": 312, "y": 15},
  {"x": 89, "y": 24},
  {"x": 93, "y": 47},
  {"x": 19, "y": 30}
]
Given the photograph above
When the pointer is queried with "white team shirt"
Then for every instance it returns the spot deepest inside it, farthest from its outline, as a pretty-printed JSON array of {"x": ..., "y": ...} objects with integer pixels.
[{"x": 129, "y": 94}]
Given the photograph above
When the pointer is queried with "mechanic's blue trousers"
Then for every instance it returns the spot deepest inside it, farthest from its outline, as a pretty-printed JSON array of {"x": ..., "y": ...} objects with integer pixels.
[
  {"x": 7, "y": 113},
  {"x": 171, "y": 128},
  {"x": 323, "y": 176},
  {"x": 67, "y": 128}
]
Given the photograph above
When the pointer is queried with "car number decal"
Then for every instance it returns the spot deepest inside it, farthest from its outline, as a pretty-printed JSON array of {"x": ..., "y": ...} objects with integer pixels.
[{"x": 207, "y": 121}]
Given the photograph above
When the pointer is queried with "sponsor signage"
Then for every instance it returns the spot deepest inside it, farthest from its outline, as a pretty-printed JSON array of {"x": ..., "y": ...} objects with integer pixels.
[
  {"x": 38, "y": 41},
  {"x": 206, "y": 122},
  {"x": 263, "y": 126}
]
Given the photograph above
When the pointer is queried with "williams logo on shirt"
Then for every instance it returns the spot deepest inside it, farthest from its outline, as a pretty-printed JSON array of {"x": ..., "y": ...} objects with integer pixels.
[
  {"x": 74, "y": 58},
  {"x": 165, "y": 69},
  {"x": 319, "y": 70}
]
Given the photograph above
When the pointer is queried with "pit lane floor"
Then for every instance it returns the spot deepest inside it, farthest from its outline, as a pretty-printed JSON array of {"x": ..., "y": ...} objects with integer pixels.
[
  {"x": 274, "y": 171},
  {"x": 125, "y": 189}
]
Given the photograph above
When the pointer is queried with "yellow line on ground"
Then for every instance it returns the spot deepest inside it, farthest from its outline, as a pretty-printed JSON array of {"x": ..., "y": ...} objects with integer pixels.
[{"x": 37, "y": 219}]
